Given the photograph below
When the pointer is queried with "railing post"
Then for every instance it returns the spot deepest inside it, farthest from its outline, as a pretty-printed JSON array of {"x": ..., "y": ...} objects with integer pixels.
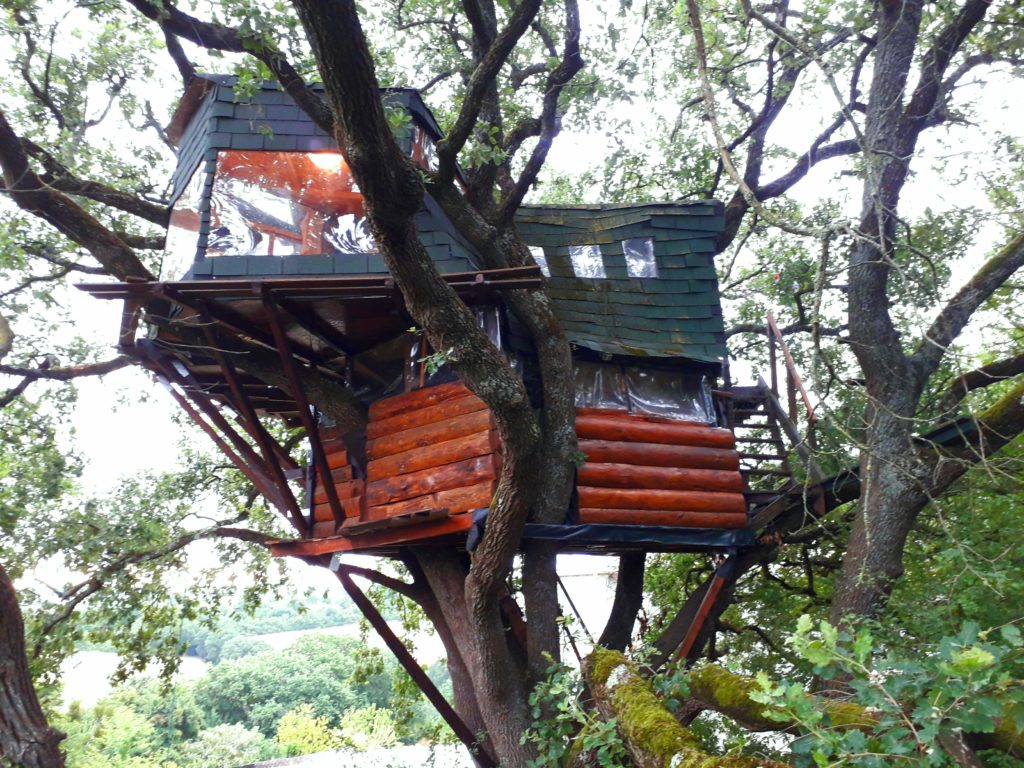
[{"x": 772, "y": 365}]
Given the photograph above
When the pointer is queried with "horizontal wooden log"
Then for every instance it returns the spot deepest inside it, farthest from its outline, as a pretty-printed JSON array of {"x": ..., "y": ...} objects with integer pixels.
[
  {"x": 420, "y": 417},
  {"x": 436, "y": 455},
  {"x": 665, "y": 478},
  {"x": 638, "y": 429},
  {"x": 678, "y": 518},
  {"x": 419, "y": 398},
  {"x": 455, "y": 500},
  {"x": 659, "y": 455},
  {"x": 336, "y": 458},
  {"x": 351, "y": 507},
  {"x": 338, "y": 474},
  {"x": 323, "y": 529},
  {"x": 346, "y": 490},
  {"x": 431, "y": 434},
  {"x": 457, "y": 475},
  {"x": 691, "y": 501}
]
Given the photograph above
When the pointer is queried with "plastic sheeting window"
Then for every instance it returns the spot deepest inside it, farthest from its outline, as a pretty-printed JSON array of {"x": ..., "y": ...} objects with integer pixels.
[
  {"x": 286, "y": 203},
  {"x": 542, "y": 261},
  {"x": 648, "y": 391},
  {"x": 183, "y": 229},
  {"x": 427, "y": 367},
  {"x": 424, "y": 151},
  {"x": 586, "y": 260},
  {"x": 639, "y": 252}
]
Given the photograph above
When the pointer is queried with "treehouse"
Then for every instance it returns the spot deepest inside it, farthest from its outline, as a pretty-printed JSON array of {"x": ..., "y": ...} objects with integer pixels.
[{"x": 272, "y": 286}]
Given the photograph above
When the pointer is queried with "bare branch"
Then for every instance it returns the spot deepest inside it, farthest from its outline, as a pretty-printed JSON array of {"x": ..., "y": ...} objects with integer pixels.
[
  {"x": 958, "y": 311},
  {"x": 571, "y": 63},
  {"x": 1001, "y": 370},
  {"x": 218, "y": 37},
  {"x": 185, "y": 67},
  {"x": 70, "y": 219},
  {"x": 482, "y": 79}
]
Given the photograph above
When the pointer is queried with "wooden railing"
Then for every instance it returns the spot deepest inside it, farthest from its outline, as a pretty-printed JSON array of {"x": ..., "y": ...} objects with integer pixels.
[{"x": 794, "y": 384}]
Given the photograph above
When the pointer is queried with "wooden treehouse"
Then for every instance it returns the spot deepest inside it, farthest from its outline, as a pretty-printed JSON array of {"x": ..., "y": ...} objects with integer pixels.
[
  {"x": 272, "y": 287},
  {"x": 268, "y": 245}
]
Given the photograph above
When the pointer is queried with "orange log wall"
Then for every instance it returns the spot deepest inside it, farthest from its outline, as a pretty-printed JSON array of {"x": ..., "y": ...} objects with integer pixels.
[
  {"x": 436, "y": 451},
  {"x": 642, "y": 470}
]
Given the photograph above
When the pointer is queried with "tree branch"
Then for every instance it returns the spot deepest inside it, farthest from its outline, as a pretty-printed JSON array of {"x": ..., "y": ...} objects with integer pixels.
[
  {"x": 70, "y": 219},
  {"x": 219, "y": 37},
  {"x": 958, "y": 310},
  {"x": 550, "y": 124},
  {"x": 1001, "y": 370},
  {"x": 482, "y": 78}
]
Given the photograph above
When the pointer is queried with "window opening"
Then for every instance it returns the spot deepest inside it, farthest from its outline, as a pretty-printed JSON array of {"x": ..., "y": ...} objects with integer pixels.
[
  {"x": 183, "y": 229},
  {"x": 586, "y": 261},
  {"x": 542, "y": 261},
  {"x": 286, "y": 203},
  {"x": 639, "y": 252}
]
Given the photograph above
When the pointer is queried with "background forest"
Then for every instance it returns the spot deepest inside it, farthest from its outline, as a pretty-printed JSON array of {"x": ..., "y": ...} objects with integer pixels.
[{"x": 870, "y": 160}]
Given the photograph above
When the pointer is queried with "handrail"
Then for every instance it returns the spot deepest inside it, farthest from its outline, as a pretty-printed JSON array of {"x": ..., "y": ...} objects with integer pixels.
[{"x": 793, "y": 381}]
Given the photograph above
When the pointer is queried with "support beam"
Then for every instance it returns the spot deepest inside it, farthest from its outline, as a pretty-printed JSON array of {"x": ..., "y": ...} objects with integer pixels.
[
  {"x": 305, "y": 415},
  {"x": 451, "y": 717},
  {"x": 257, "y": 430}
]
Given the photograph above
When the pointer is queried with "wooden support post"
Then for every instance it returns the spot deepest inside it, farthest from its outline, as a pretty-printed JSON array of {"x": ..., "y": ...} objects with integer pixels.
[
  {"x": 305, "y": 416},
  {"x": 722, "y": 575},
  {"x": 467, "y": 737},
  {"x": 257, "y": 430}
]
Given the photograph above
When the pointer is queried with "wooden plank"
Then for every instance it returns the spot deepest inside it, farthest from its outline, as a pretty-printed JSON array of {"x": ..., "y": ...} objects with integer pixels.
[
  {"x": 357, "y": 527},
  {"x": 639, "y": 429},
  {"x": 420, "y": 417},
  {"x": 321, "y": 545},
  {"x": 680, "y": 518},
  {"x": 440, "y": 454},
  {"x": 660, "y": 455},
  {"x": 666, "y": 478},
  {"x": 628, "y": 498},
  {"x": 339, "y": 475},
  {"x": 455, "y": 500},
  {"x": 456, "y": 475},
  {"x": 431, "y": 434},
  {"x": 350, "y": 507},
  {"x": 420, "y": 398}
]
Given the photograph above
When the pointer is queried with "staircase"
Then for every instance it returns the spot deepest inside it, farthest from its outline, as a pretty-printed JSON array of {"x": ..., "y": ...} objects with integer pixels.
[{"x": 767, "y": 434}]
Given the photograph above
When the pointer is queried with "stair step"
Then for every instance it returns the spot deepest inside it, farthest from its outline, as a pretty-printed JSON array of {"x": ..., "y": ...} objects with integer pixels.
[
  {"x": 767, "y": 472},
  {"x": 759, "y": 498},
  {"x": 776, "y": 440},
  {"x": 749, "y": 411},
  {"x": 762, "y": 456}
]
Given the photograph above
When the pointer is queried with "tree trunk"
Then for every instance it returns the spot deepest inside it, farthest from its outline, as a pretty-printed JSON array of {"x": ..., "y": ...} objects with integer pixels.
[
  {"x": 26, "y": 739},
  {"x": 496, "y": 677}
]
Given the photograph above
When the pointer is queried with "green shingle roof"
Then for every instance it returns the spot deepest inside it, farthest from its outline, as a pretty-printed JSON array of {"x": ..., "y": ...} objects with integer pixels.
[{"x": 676, "y": 314}]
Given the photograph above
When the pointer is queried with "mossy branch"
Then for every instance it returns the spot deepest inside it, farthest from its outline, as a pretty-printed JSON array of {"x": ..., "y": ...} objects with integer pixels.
[
  {"x": 651, "y": 733},
  {"x": 718, "y": 689}
]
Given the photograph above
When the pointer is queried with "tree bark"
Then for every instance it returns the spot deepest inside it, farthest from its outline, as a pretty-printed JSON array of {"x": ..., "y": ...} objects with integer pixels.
[
  {"x": 26, "y": 739},
  {"x": 629, "y": 596}
]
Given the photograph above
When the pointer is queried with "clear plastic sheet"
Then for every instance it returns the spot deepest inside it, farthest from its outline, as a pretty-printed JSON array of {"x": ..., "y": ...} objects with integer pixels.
[
  {"x": 183, "y": 229},
  {"x": 286, "y": 203},
  {"x": 426, "y": 367},
  {"x": 600, "y": 385},
  {"x": 639, "y": 253},
  {"x": 669, "y": 394},
  {"x": 586, "y": 261},
  {"x": 542, "y": 261},
  {"x": 424, "y": 152}
]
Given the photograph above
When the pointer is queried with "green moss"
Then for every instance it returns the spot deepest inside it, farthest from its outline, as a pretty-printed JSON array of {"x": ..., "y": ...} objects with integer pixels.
[{"x": 644, "y": 722}]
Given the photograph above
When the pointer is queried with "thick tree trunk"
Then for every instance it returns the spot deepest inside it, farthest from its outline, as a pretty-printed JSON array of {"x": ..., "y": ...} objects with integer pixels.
[
  {"x": 26, "y": 739},
  {"x": 629, "y": 596},
  {"x": 496, "y": 678}
]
